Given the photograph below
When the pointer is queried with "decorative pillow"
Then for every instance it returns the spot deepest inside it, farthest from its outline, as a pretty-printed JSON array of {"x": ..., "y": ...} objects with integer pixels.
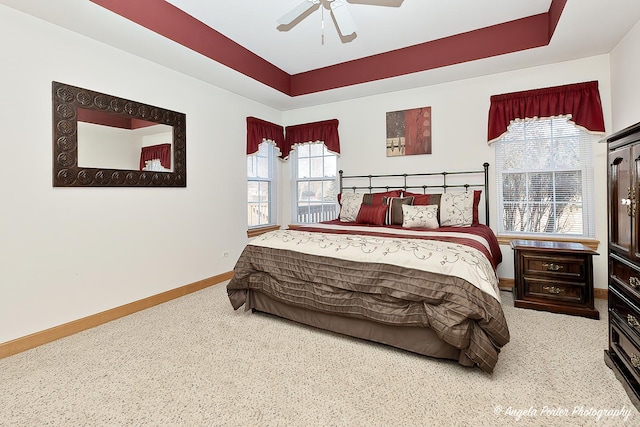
[
  {"x": 394, "y": 214},
  {"x": 350, "y": 206},
  {"x": 375, "y": 199},
  {"x": 476, "y": 202},
  {"x": 456, "y": 209},
  {"x": 372, "y": 214},
  {"x": 420, "y": 216},
  {"x": 424, "y": 199}
]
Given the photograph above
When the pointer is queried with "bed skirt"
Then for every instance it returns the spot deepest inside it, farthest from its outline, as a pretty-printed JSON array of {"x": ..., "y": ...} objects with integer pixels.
[{"x": 415, "y": 339}]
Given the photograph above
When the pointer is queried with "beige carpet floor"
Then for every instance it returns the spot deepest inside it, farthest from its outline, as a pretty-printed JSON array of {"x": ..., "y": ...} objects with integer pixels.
[{"x": 196, "y": 362}]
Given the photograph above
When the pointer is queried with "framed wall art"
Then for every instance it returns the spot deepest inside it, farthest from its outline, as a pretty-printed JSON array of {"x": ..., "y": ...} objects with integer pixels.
[{"x": 409, "y": 132}]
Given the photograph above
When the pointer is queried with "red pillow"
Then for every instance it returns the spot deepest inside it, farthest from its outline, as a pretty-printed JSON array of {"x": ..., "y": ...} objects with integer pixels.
[
  {"x": 420, "y": 199},
  {"x": 376, "y": 198},
  {"x": 476, "y": 202},
  {"x": 372, "y": 214}
]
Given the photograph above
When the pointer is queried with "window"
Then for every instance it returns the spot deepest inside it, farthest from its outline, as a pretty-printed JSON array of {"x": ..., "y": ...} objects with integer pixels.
[
  {"x": 261, "y": 186},
  {"x": 314, "y": 176},
  {"x": 544, "y": 177}
]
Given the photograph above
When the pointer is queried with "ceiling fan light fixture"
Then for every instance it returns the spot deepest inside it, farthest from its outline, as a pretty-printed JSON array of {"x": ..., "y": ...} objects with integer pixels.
[{"x": 339, "y": 11}]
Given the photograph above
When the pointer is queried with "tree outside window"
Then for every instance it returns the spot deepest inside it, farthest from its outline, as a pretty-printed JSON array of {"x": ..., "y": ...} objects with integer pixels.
[{"x": 544, "y": 174}]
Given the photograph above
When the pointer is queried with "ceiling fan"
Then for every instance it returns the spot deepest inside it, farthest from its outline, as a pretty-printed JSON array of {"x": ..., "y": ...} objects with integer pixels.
[{"x": 341, "y": 16}]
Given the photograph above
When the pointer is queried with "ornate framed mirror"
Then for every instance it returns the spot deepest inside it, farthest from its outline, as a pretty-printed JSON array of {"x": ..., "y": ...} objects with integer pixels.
[{"x": 101, "y": 140}]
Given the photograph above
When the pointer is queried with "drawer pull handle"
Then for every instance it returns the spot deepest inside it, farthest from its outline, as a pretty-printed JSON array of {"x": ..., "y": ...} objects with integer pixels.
[
  {"x": 630, "y": 202},
  {"x": 552, "y": 289},
  {"x": 632, "y": 321},
  {"x": 634, "y": 281},
  {"x": 635, "y": 361},
  {"x": 551, "y": 266}
]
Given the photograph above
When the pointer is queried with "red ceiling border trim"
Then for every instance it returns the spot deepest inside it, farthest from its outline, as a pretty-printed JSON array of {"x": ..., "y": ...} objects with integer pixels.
[
  {"x": 555, "y": 11},
  {"x": 171, "y": 22},
  {"x": 525, "y": 33},
  {"x": 167, "y": 20}
]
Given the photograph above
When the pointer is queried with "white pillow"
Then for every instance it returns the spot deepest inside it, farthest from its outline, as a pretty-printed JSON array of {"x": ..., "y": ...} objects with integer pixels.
[
  {"x": 350, "y": 206},
  {"x": 456, "y": 209},
  {"x": 420, "y": 216}
]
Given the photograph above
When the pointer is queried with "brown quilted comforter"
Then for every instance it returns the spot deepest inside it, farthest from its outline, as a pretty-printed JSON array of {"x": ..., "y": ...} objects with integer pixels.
[{"x": 424, "y": 282}]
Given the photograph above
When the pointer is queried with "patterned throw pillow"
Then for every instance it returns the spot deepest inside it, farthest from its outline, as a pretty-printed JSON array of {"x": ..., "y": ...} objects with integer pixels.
[
  {"x": 394, "y": 214},
  {"x": 372, "y": 214},
  {"x": 350, "y": 206},
  {"x": 456, "y": 209},
  {"x": 421, "y": 216},
  {"x": 376, "y": 199}
]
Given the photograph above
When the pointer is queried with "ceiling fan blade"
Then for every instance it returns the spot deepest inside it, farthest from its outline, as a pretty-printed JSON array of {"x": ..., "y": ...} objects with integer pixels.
[
  {"x": 343, "y": 18},
  {"x": 294, "y": 13}
]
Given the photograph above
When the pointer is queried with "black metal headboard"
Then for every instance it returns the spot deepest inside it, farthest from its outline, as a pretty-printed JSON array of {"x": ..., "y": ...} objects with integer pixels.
[{"x": 406, "y": 181}]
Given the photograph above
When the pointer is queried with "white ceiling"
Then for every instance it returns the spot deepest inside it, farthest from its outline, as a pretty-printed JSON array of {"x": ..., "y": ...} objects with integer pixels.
[
  {"x": 586, "y": 28},
  {"x": 252, "y": 24}
]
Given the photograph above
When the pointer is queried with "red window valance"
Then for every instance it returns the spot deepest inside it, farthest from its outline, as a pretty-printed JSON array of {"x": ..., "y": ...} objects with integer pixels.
[
  {"x": 325, "y": 131},
  {"x": 160, "y": 151},
  {"x": 580, "y": 100},
  {"x": 258, "y": 130}
]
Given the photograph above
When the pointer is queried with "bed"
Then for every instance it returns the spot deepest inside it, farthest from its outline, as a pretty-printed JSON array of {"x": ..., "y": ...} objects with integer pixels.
[{"x": 408, "y": 264}]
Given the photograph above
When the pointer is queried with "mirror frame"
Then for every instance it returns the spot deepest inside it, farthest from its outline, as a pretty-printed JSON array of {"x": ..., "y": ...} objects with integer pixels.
[{"x": 66, "y": 172}]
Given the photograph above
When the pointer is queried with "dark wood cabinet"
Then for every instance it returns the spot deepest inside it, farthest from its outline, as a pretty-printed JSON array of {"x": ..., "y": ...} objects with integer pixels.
[
  {"x": 623, "y": 354},
  {"x": 554, "y": 276}
]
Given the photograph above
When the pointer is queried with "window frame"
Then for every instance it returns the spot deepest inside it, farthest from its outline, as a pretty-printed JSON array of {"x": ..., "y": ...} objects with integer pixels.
[
  {"x": 296, "y": 179},
  {"x": 271, "y": 180},
  {"x": 586, "y": 168}
]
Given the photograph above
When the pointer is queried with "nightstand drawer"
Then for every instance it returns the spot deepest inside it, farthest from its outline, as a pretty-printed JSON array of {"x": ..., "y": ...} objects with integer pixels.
[
  {"x": 557, "y": 267},
  {"x": 624, "y": 275},
  {"x": 554, "y": 290}
]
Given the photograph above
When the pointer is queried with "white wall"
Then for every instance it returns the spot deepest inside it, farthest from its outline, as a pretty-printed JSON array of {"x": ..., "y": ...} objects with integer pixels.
[
  {"x": 459, "y": 111},
  {"x": 66, "y": 253},
  {"x": 625, "y": 80},
  {"x": 108, "y": 147}
]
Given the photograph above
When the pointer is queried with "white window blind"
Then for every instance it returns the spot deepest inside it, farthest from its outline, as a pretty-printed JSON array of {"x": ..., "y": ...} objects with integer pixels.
[{"x": 544, "y": 177}]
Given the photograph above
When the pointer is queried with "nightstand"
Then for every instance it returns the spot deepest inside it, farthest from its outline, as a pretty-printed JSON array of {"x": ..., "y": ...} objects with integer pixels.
[{"x": 554, "y": 276}]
